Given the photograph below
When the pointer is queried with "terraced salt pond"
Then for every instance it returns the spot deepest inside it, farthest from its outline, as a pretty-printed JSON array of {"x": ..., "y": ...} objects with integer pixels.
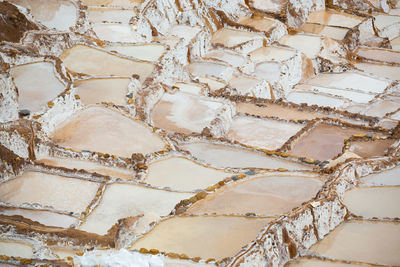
[
  {"x": 363, "y": 241},
  {"x": 113, "y": 3},
  {"x": 183, "y": 174},
  {"x": 60, "y": 14},
  {"x": 310, "y": 98},
  {"x": 125, "y": 200},
  {"x": 186, "y": 113},
  {"x": 37, "y": 84},
  {"x": 225, "y": 156},
  {"x": 334, "y": 18},
  {"x": 205, "y": 237},
  {"x": 377, "y": 148},
  {"x": 231, "y": 58},
  {"x": 387, "y": 71},
  {"x": 115, "y": 15},
  {"x": 262, "y": 133},
  {"x": 104, "y": 130},
  {"x": 94, "y": 91},
  {"x": 323, "y": 142},
  {"x": 381, "y": 107},
  {"x": 389, "y": 177},
  {"x": 16, "y": 249},
  {"x": 150, "y": 52},
  {"x": 113, "y": 32},
  {"x": 380, "y": 55},
  {"x": 313, "y": 262},
  {"x": 350, "y": 80},
  {"x": 88, "y": 166},
  {"x": 373, "y": 201},
  {"x": 62, "y": 193},
  {"x": 259, "y": 22},
  {"x": 42, "y": 216},
  {"x": 96, "y": 62},
  {"x": 267, "y": 196},
  {"x": 288, "y": 113},
  {"x": 271, "y": 53},
  {"x": 334, "y": 32},
  {"x": 212, "y": 69},
  {"x": 230, "y": 38},
  {"x": 310, "y": 45}
]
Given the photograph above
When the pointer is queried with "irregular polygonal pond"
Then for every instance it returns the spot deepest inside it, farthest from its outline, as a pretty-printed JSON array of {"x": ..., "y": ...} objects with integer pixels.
[
  {"x": 334, "y": 18},
  {"x": 62, "y": 193},
  {"x": 113, "y": 32},
  {"x": 183, "y": 174},
  {"x": 323, "y": 142},
  {"x": 114, "y": 15},
  {"x": 231, "y": 58},
  {"x": 43, "y": 217},
  {"x": 369, "y": 242},
  {"x": 268, "y": 196},
  {"x": 113, "y": 3},
  {"x": 93, "y": 91},
  {"x": 187, "y": 113},
  {"x": 230, "y": 38},
  {"x": 150, "y": 52},
  {"x": 225, "y": 156},
  {"x": 271, "y": 53},
  {"x": 16, "y": 249},
  {"x": 304, "y": 262},
  {"x": 311, "y": 98},
  {"x": 350, "y": 80},
  {"x": 262, "y": 133},
  {"x": 37, "y": 84},
  {"x": 104, "y": 130},
  {"x": 60, "y": 14},
  {"x": 205, "y": 237},
  {"x": 337, "y": 33},
  {"x": 93, "y": 61},
  {"x": 389, "y": 72},
  {"x": 390, "y": 177},
  {"x": 376, "y": 148},
  {"x": 310, "y": 45},
  {"x": 382, "y": 55},
  {"x": 87, "y": 166},
  {"x": 125, "y": 200},
  {"x": 373, "y": 201}
]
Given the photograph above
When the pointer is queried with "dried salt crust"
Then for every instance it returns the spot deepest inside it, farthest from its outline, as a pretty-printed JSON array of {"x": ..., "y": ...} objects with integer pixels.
[{"x": 67, "y": 102}]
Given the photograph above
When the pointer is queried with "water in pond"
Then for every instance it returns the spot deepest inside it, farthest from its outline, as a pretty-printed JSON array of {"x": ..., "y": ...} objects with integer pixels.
[
  {"x": 323, "y": 142},
  {"x": 16, "y": 249},
  {"x": 125, "y": 200},
  {"x": 87, "y": 166},
  {"x": 60, "y": 14},
  {"x": 183, "y": 174},
  {"x": 43, "y": 217},
  {"x": 370, "y": 242},
  {"x": 62, "y": 193},
  {"x": 205, "y": 237},
  {"x": 37, "y": 84},
  {"x": 225, "y": 156},
  {"x": 93, "y": 61},
  {"x": 373, "y": 201},
  {"x": 93, "y": 91},
  {"x": 268, "y": 195},
  {"x": 107, "y": 131},
  {"x": 262, "y": 133}
]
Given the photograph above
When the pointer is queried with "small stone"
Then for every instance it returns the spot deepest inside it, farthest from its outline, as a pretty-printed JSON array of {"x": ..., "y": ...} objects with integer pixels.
[
  {"x": 250, "y": 172},
  {"x": 24, "y": 112}
]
